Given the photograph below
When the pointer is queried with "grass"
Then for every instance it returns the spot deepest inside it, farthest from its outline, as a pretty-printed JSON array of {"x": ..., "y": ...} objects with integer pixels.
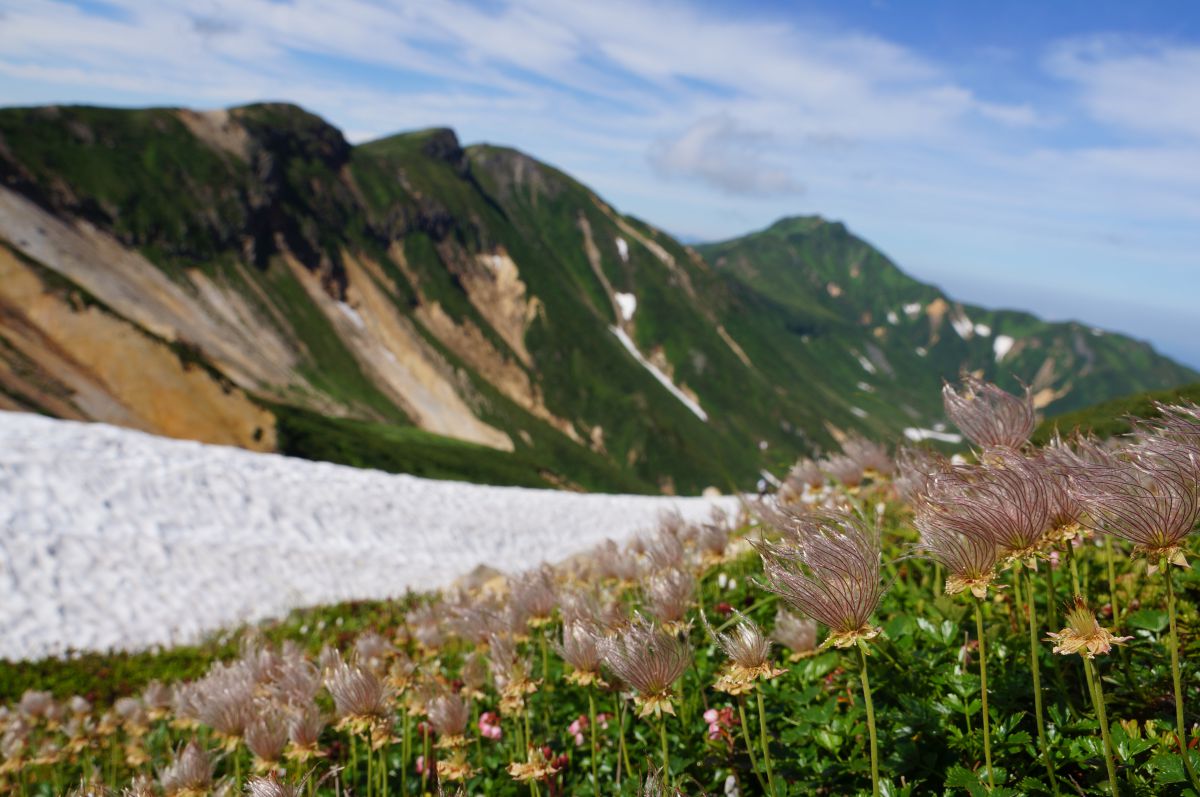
[{"x": 1111, "y": 418}]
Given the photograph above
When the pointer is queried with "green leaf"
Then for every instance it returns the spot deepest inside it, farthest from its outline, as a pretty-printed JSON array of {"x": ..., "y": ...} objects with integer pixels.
[{"x": 1149, "y": 620}]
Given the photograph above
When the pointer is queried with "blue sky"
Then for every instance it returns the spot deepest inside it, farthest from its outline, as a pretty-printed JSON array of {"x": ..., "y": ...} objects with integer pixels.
[{"x": 1043, "y": 156}]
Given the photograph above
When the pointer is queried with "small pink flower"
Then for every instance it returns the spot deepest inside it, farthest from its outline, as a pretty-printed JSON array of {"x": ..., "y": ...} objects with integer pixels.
[
  {"x": 579, "y": 740},
  {"x": 710, "y": 716},
  {"x": 602, "y": 721},
  {"x": 489, "y": 726},
  {"x": 420, "y": 765},
  {"x": 1054, "y": 560}
]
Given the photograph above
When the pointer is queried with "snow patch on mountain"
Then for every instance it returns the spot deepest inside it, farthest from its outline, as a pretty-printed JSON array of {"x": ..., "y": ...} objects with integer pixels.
[
  {"x": 627, "y": 302},
  {"x": 663, "y": 379},
  {"x": 118, "y": 539},
  {"x": 1002, "y": 345}
]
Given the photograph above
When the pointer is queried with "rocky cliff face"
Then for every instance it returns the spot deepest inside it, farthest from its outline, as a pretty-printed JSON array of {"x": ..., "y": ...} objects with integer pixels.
[{"x": 247, "y": 277}]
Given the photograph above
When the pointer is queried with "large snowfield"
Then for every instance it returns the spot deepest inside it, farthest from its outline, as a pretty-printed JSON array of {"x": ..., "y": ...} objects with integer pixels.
[{"x": 111, "y": 538}]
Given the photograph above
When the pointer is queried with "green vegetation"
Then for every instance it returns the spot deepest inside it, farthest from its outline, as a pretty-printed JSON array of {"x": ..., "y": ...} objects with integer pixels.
[{"x": 1111, "y": 418}]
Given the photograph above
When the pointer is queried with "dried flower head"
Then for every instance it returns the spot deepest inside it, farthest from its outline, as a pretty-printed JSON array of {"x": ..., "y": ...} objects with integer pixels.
[
  {"x": 449, "y": 715},
  {"x": 267, "y": 735},
  {"x": 669, "y": 596},
  {"x": 360, "y": 698},
  {"x": 749, "y": 652},
  {"x": 373, "y": 652},
  {"x": 805, "y": 474},
  {"x": 537, "y": 766},
  {"x": 90, "y": 787},
  {"x": 1178, "y": 422},
  {"x": 511, "y": 673},
  {"x": 829, "y": 569},
  {"x": 915, "y": 467},
  {"x": 872, "y": 457},
  {"x": 580, "y": 648},
  {"x": 140, "y": 786},
  {"x": 957, "y": 531},
  {"x": 650, "y": 660},
  {"x": 1005, "y": 500},
  {"x": 666, "y": 551},
  {"x": 190, "y": 773},
  {"x": 797, "y": 634},
  {"x": 1149, "y": 496},
  {"x": 988, "y": 415},
  {"x": 609, "y": 561},
  {"x": 534, "y": 595},
  {"x": 1083, "y": 634},
  {"x": 269, "y": 786},
  {"x": 844, "y": 469},
  {"x": 304, "y": 726}
]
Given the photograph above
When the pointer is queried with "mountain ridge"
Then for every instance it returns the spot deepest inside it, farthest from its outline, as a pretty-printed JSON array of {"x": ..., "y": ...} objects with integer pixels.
[{"x": 191, "y": 273}]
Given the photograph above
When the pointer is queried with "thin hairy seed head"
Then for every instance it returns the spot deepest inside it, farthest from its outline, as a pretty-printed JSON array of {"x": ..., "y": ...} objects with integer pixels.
[
  {"x": 90, "y": 787},
  {"x": 373, "y": 651},
  {"x": 610, "y": 561},
  {"x": 580, "y": 647},
  {"x": 970, "y": 559},
  {"x": 507, "y": 665},
  {"x": 267, "y": 734},
  {"x": 358, "y": 694},
  {"x": 844, "y": 469},
  {"x": 746, "y": 645},
  {"x": 157, "y": 696},
  {"x": 915, "y": 467},
  {"x": 669, "y": 595},
  {"x": 140, "y": 786},
  {"x": 190, "y": 772},
  {"x": 665, "y": 551},
  {"x": 805, "y": 474},
  {"x": 449, "y": 714},
  {"x": 1149, "y": 495},
  {"x": 797, "y": 634},
  {"x": 534, "y": 594},
  {"x": 713, "y": 539},
  {"x": 831, "y": 572},
  {"x": 872, "y": 457},
  {"x": 297, "y": 681},
  {"x": 224, "y": 697},
  {"x": 425, "y": 624},
  {"x": 988, "y": 415},
  {"x": 648, "y": 659},
  {"x": 269, "y": 786},
  {"x": 1006, "y": 500},
  {"x": 304, "y": 726},
  {"x": 1178, "y": 422}
]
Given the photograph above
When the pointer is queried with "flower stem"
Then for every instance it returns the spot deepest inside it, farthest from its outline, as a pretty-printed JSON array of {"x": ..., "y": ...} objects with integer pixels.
[
  {"x": 595, "y": 749},
  {"x": 1112, "y": 578},
  {"x": 766, "y": 748},
  {"x": 1097, "y": 691},
  {"x": 624, "y": 747},
  {"x": 749, "y": 746},
  {"x": 1176, "y": 676},
  {"x": 666, "y": 755},
  {"x": 983, "y": 690},
  {"x": 1035, "y": 667},
  {"x": 866, "y": 685},
  {"x": 1051, "y": 595}
]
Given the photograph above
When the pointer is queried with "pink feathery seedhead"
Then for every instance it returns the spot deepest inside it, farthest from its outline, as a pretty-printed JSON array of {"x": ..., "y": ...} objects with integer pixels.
[
  {"x": 970, "y": 559},
  {"x": 831, "y": 572},
  {"x": 915, "y": 467},
  {"x": 1149, "y": 496},
  {"x": 872, "y": 457},
  {"x": 267, "y": 734},
  {"x": 649, "y": 660},
  {"x": 449, "y": 714},
  {"x": 1005, "y": 501},
  {"x": 1178, "y": 422},
  {"x": 1057, "y": 461},
  {"x": 844, "y": 469},
  {"x": 269, "y": 786},
  {"x": 749, "y": 652},
  {"x": 534, "y": 595},
  {"x": 191, "y": 772},
  {"x": 305, "y": 724},
  {"x": 806, "y": 473},
  {"x": 797, "y": 634},
  {"x": 580, "y": 647},
  {"x": 989, "y": 416},
  {"x": 360, "y": 697},
  {"x": 669, "y": 595},
  {"x": 665, "y": 551}
]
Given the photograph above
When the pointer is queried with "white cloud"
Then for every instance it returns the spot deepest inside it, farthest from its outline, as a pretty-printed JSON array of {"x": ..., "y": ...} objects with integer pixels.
[
  {"x": 721, "y": 153},
  {"x": 1136, "y": 84}
]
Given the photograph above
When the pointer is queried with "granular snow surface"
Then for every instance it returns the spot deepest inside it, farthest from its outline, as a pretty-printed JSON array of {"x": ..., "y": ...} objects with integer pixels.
[{"x": 111, "y": 538}]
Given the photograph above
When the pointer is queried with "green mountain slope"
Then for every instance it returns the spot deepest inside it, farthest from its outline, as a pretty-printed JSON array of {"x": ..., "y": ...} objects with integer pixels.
[
  {"x": 247, "y": 277},
  {"x": 1111, "y": 418},
  {"x": 883, "y": 341}
]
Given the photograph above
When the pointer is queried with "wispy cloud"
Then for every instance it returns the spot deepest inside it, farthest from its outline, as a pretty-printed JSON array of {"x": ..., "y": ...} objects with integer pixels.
[{"x": 718, "y": 151}]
